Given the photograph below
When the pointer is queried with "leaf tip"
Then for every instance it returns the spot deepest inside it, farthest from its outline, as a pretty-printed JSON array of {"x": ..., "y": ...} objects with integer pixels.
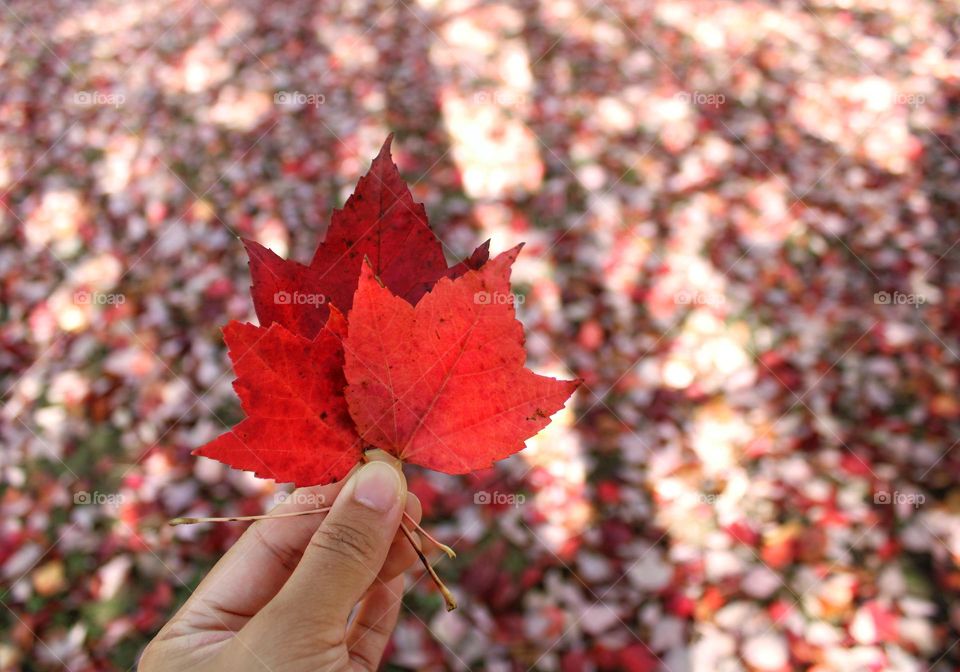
[
  {"x": 259, "y": 254},
  {"x": 509, "y": 256},
  {"x": 480, "y": 256},
  {"x": 249, "y": 243},
  {"x": 385, "y": 148}
]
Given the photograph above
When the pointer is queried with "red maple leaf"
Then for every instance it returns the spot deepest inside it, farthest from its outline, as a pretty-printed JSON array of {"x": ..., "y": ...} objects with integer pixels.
[
  {"x": 379, "y": 221},
  {"x": 297, "y": 427},
  {"x": 442, "y": 384},
  {"x": 428, "y": 365}
]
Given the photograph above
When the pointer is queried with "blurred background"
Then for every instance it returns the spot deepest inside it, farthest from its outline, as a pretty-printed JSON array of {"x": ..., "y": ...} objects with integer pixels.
[{"x": 742, "y": 233}]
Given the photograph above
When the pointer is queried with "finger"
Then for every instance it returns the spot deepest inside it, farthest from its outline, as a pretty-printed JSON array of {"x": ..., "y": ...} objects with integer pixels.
[
  {"x": 401, "y": 554},
  {"x": 371, "y": 631},
  {"x": 346, "y": 552},
  {"x": 251, "y": 573}
]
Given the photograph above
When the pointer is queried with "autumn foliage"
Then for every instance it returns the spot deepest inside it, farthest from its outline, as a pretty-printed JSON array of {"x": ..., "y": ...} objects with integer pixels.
[{"x": 377, "y": 343}]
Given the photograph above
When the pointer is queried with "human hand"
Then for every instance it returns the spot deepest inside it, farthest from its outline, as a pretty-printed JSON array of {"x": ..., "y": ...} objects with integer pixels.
[{"x": 281, "y": 597}]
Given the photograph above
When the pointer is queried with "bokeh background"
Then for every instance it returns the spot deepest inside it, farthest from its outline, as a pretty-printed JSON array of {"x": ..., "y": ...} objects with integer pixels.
[{"x": 742, "y": 233}]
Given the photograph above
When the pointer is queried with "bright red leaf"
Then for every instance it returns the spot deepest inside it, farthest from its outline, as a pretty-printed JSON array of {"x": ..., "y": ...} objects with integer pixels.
[
  {"x": 442, "y": 384},
  {"x": 291, "y": 388}
]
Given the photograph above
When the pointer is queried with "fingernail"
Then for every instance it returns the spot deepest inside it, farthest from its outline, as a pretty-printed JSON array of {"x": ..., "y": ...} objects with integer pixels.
[{"x": 377, "y": 487}]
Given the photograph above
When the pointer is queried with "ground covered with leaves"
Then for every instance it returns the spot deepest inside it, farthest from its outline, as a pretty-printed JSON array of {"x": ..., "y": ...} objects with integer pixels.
[{"x": 741, "y": 230}]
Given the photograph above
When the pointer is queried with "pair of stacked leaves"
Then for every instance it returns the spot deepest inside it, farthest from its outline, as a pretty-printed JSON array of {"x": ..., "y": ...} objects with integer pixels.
[{"x": 378, "y": 344}]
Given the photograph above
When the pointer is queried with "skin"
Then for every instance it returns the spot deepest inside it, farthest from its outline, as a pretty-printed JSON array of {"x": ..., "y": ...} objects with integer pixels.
[{"x": 281, "y": 598}]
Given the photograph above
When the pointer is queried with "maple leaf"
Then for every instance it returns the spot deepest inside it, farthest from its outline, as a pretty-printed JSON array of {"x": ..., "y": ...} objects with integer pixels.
[
  {"x": 379, "y": 221},
  {"x": 442, "y": 384},
  {"x": 298, "y": 428}
]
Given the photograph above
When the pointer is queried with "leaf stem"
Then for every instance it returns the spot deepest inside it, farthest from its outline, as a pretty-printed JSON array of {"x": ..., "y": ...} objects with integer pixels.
[
  {"x": 448, "y": 597},
  {"x": 443, "y": 547},
  {"x": 267, "y": 516},
  {"x": 234, "y": 519}
]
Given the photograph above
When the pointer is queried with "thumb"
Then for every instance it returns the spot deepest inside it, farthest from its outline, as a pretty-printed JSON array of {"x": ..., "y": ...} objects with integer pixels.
[{"x": 347, "y": 551}]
